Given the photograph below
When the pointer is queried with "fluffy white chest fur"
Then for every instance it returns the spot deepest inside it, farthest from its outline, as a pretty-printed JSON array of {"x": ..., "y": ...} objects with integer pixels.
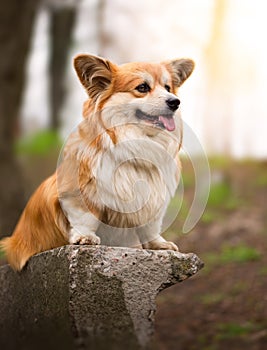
[{"x": 131, "y": 182}]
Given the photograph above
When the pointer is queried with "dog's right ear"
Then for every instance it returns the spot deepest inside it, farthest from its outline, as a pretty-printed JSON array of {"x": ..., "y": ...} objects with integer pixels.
[{"x": 95, "y": 74}]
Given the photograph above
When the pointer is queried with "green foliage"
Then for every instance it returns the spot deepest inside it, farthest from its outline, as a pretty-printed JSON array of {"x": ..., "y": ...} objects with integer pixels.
[
  {"x": 212, "y": 298},
  {"x": 2, "y": 254},
  {"x": 241, "y": 253},
  {"x": 220, "y": 162},
  {"x": 221, "y": 198},
  {"x": 261, "y": 179},
  {"x": 232, "y": 254},
  {"x": 219, "y": 194},
  {"x": 209, "y": 216},
  {"x": 40, "y": 143},
  {"x": 232, "y": 330}
]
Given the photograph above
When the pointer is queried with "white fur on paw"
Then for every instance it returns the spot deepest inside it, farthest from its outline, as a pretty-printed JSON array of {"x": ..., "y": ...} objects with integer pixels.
[
  {"x": 156, "y": 245},
  {"x": 90, "y": 240},
  {"x": 166, "y": 246},
  {"x": 172, "y": 246}
]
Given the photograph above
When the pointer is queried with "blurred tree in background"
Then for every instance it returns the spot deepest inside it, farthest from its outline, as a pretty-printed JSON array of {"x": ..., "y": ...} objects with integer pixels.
[
  {"x": 61, "y": 27},
  {"x": 16, "y": 22},
  {"x": 16, "y": 26}
]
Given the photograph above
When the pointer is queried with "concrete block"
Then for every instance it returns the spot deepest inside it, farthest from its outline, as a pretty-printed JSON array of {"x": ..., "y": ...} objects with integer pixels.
[{"x": 82, "y": 297}]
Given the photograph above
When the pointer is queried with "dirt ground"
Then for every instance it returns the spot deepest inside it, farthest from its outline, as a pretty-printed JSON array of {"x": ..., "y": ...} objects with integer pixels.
[{"x": 225, "y": 305}]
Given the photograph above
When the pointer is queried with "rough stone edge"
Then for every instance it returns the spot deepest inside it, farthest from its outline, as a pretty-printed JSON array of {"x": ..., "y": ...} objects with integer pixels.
[
  {"x": 180, "y": 267},
  {"x": 177, "y": 268}
]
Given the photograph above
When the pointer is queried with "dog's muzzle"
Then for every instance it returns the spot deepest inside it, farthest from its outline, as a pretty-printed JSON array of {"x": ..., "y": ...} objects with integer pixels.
[{"x": 162, "y": 121}]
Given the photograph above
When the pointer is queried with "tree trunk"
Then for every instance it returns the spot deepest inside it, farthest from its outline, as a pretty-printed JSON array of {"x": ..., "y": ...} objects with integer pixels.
[
  {"x": 62, "y": 25},
  {"x": 16, "y": 21}
]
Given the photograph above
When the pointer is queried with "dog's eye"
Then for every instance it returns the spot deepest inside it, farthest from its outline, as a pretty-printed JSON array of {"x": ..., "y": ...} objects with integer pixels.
[
  {"x": 167, "y": 87},
  {"x": 143, "y": 88}
]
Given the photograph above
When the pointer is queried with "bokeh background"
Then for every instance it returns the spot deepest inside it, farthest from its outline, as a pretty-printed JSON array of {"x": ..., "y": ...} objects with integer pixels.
[{"x": 224, "y": 103}]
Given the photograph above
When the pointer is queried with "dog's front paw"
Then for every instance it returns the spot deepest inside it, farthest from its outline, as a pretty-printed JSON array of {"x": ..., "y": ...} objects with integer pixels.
[
  {"x": 169, "y": 246},
  {"x": 158, "y": 244},
  {"x": 90, "y": 239}
]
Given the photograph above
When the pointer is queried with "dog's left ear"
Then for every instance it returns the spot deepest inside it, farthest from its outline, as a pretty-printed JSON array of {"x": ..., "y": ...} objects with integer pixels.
[
  {"x": 180, "y": 70},
  {"x": 95, "y": 73}
]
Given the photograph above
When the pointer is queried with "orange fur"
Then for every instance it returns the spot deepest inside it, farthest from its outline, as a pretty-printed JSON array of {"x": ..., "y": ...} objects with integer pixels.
[
  {"x": 42, "y": 226},
  {"x": 127, "y": 78}
]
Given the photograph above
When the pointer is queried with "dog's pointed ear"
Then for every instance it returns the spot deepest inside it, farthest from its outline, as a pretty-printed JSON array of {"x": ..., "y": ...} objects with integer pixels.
[
  {"x": 95, "y": 73},
  {"x": 180, "y": 70}
]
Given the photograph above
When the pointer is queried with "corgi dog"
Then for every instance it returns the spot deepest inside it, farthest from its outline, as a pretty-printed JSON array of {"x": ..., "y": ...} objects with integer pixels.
[{"x": 118, "y": 169}]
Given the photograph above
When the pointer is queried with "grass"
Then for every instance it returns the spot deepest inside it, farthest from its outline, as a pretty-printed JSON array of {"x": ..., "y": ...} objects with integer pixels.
[
  {"x": 261, "y": 180},
  {"x": 225, "y": 195},
  {"x": 220, "y": 162},
  {"x": 209, "y": 216},
  {"x": 241, "y": 253},
  {"x": 227, "y": 331},
  {"x": 232, "y": 254},
  {"x": 233, "y": 330},
  {"x": 222, "y": 196},
  {"x": 212, "y": 298},
  {"x": 222, "y": 199},
  {"x": 219, "y": 193},
  {"x": 40, "y": 143},
  {"x": 2, "y": 254}
]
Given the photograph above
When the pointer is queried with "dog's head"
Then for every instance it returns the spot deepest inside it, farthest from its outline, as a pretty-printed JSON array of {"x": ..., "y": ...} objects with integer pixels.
[{"x": 140, "y": 93}]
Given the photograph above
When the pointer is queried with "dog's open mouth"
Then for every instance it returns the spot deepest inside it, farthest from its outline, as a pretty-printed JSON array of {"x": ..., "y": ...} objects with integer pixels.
[{"x": 161, "y": 121}]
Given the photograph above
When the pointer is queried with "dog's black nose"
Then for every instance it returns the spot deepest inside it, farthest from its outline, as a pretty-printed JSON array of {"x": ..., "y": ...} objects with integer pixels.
[{"x": 173, "y": 103}]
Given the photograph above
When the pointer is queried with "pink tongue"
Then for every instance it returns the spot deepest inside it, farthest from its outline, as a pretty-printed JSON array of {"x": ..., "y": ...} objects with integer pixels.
[{"x": 167, "y": 122}]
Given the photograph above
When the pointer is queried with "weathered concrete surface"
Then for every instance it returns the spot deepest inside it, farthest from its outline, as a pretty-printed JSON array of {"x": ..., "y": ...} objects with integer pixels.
[{"x": 81, "y": 297}]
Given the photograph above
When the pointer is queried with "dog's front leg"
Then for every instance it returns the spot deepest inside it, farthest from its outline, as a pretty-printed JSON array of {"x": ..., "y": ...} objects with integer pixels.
[
  {"x": 150, "y": 238},
  {"x": 83, "y": 224}
]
